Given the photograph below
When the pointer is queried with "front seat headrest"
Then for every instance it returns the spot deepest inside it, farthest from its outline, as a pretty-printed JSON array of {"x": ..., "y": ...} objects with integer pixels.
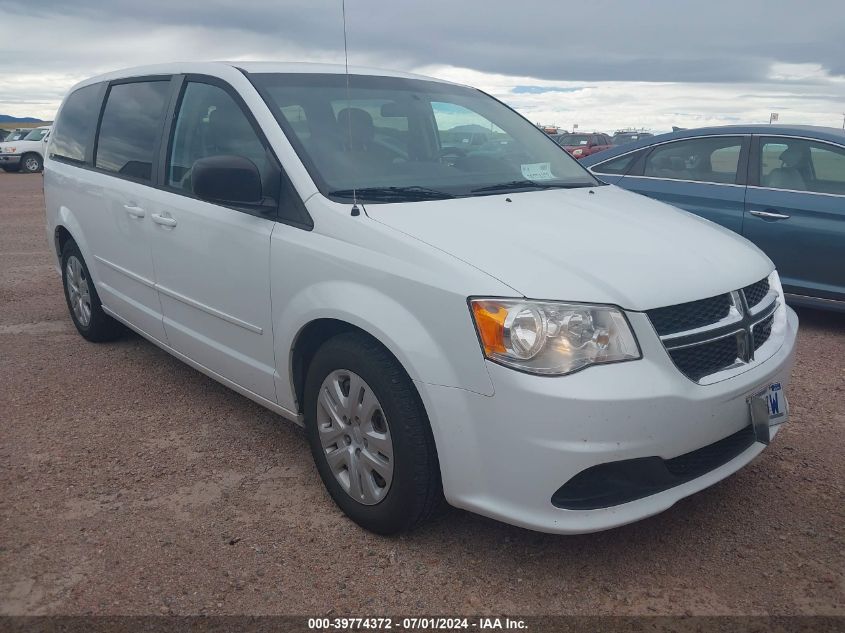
[
  {"x": 358, "y": 124},
  {"x": 792, "y": 156}
]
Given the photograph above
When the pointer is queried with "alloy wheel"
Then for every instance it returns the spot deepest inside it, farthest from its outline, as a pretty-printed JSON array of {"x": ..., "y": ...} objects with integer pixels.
[{"x": 78, "y": 290}]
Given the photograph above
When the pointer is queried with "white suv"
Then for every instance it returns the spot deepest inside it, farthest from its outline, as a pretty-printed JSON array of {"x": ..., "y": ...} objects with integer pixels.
[
  {"x": 26, "y": 154},
  {"x": 489, "y": 324}
]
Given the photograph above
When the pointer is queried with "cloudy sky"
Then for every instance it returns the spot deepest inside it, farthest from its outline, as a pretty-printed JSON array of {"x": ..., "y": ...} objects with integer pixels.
[{"x": 603, "y": 64}]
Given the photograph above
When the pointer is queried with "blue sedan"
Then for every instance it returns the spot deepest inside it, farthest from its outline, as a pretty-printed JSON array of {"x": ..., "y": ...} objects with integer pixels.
[{"x": 781, "y": 187}]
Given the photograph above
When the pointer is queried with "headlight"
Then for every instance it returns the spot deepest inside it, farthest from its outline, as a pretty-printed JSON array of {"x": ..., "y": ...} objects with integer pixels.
[
  {"x": 546, "y": 337},
  {"x": 9, "y": 150}
]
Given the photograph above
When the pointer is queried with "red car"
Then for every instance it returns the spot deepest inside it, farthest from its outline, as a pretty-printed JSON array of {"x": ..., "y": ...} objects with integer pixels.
[{"x": 581, "y": 145}]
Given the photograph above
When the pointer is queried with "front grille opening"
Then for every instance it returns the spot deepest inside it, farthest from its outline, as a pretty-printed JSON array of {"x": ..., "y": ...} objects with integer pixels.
[
  {"x": 762, "y": 331},
  {"x": 688, "y": 329},
  {"x": 755, "y": 293},
  {"x": 611, "y": 484},
  {"x": 688, "y": 316},
  {"x": 705, "y": 359}
]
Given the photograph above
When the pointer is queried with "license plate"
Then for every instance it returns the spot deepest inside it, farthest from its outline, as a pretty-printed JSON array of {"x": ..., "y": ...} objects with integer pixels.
[{"x": 769, "y": 408}]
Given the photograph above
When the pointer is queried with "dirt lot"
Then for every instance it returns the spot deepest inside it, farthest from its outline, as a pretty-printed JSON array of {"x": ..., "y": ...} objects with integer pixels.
[{"x": 130, "y": 483}]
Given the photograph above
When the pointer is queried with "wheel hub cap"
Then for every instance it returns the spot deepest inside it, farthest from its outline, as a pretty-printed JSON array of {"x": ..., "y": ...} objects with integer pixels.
[{"x": 355, "y": 436}]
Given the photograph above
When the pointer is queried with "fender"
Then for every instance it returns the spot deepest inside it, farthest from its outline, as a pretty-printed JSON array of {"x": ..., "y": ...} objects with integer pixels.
[
  {"x": 425, "y": 357},
  {"x": 66, "y": 219}
]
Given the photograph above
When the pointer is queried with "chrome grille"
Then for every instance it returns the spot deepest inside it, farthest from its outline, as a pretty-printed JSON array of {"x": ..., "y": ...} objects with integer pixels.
[{"x": 712, "y": 335}]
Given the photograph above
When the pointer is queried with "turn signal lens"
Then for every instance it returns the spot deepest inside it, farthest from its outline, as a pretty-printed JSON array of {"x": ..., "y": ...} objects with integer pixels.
[
  {"x": 548, "y": 337},
  {"x": 490, "y": 322}
]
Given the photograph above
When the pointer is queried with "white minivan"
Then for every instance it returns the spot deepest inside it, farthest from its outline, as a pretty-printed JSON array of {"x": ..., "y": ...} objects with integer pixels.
[{"x": 484, "y": 323}]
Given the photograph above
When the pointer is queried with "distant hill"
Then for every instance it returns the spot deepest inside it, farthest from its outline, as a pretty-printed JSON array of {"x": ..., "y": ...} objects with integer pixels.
[
  {"x": 6, "y": 118},
  {"x": 471, "y": 127}
]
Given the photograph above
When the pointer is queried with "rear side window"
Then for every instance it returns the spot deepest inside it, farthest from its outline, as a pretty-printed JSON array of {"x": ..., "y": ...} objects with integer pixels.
[
  {"x": 75, "y": 127},
  {"x": 132, "y": 121},
  {"x": 706, "y": 159}
]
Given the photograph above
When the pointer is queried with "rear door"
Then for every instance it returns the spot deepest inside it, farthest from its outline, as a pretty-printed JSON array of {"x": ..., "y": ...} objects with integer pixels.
[
  {"x": 704, "y": 175},
  {"x": 212, "y": 261},
  {"x": 116, "y": 220},
  {"x": 795, "y": 212}
]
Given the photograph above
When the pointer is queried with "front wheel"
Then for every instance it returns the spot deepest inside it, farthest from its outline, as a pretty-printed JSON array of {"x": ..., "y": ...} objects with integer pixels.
[
  {"x": 370, "y": 436},
  {"x": 31, "y": 163}
]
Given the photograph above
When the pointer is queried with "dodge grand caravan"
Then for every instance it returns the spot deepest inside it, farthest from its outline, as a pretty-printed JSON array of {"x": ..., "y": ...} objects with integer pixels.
[{"x": 488, "y": 324}]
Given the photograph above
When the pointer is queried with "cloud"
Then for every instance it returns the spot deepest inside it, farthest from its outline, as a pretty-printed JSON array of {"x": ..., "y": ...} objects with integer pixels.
[
  {"x": 538, "y": 90},
  {"x": 606, "y": 63}
]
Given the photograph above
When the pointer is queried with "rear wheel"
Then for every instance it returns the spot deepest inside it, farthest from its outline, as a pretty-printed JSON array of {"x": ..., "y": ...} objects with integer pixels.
[
  {"x": 84, "y": 305},
  {"x": 370, "y": 436},
  {"x": 31, "y": 163}
]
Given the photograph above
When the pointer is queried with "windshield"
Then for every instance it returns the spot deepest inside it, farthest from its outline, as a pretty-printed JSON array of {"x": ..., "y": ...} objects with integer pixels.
[
  {"x": 395, "y": 139},
  {"x": 574, "y": 139},
  {"x": 35, "y": 135},
  {"x": 628, "y": 137}
]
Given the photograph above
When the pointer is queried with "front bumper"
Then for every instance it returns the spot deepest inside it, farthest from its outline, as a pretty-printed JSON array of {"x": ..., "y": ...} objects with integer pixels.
[
  {"x": 10, "y": 160},
  {"x": 506, "y": 455}
]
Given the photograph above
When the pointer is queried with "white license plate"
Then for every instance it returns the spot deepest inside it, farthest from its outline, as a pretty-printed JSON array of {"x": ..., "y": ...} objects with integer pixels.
[{"x": 769, "y": 408}]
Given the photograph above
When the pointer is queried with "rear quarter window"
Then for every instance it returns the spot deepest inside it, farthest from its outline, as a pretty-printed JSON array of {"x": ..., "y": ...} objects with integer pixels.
[
  {"x": 74, "y": 129},
  {"x": 617, "y": 166}
]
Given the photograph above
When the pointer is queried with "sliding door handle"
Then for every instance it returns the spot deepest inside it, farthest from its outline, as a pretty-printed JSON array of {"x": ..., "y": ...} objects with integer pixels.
[
  {"x": 770, "y": 214},
  {"x": 164, "y": 220}
]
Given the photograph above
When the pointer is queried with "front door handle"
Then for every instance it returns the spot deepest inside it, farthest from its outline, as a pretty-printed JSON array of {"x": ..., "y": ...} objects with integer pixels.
[
  {"x": 770, "y": 214},
  {"x": 164, "y": 220},
  {"x": 135, "y": 212}
]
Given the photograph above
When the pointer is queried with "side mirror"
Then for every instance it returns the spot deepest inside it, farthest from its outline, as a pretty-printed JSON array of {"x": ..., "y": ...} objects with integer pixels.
[{"x": 227, "y": 179}]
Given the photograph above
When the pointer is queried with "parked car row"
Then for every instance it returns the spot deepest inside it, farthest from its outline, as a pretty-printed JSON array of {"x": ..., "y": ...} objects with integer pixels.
[
  {"x": 583, "y": 145},
  {"x": 629, "y": 136},
  {"x": 14, "y": 135},
  {"x": 26, "y": 152}
]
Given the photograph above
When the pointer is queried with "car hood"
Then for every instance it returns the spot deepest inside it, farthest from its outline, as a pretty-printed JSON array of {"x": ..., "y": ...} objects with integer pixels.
[{"x": 601, "y": 245}]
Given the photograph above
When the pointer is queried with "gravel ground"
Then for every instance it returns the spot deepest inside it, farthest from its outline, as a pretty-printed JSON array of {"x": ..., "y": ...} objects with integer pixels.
[{"x": 132, "y": 484}]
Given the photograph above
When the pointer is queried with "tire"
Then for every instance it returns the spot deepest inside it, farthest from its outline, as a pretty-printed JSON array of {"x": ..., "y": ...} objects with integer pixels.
[
  {"x": 31, "y": 163},
  {"x": 415, "y": 491},
  {"x": 88, "y": 316}
]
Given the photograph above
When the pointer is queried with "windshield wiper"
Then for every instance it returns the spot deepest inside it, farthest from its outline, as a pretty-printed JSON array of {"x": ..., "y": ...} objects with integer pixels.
[
  {"x": 530, "y": 184},
  {"x": 412, "y": 192}
]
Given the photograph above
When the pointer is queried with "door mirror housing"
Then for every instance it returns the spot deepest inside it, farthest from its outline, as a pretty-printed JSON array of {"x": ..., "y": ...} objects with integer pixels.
[{"x": 227, "y": 179}]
